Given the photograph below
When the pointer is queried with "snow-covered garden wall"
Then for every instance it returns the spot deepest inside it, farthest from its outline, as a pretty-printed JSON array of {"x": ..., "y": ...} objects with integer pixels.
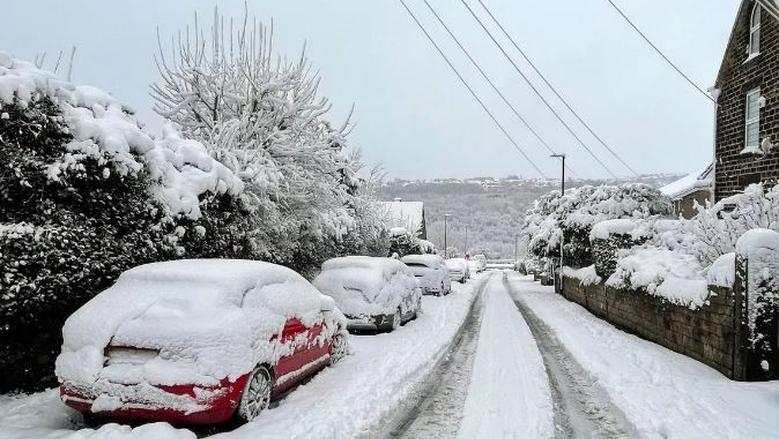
[{"x": 673, "y": 281}]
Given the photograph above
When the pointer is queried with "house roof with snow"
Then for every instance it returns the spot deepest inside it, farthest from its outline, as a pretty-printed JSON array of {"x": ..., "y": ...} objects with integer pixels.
[
  {"x": 407, "y": 214},
  {"x": 694, "y": 182}
]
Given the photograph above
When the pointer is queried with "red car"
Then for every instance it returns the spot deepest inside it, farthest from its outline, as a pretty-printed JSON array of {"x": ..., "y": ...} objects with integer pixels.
[{"x": 197, "y": 341}]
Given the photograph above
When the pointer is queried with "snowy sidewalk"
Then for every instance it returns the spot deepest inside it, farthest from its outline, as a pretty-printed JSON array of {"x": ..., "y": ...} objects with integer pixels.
[
  {"x": 509, "y": 394},
  {"x": 344, "y": 401},
  {"x": 662, "y": 393}
]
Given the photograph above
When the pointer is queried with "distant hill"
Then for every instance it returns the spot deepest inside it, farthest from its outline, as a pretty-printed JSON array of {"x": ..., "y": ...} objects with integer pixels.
[{"x": 490, "y": 208}]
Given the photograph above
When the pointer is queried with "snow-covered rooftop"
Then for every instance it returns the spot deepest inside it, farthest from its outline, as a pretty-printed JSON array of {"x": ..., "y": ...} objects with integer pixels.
[
  {"x": 690, "y": 183},
  {"x": 406, "y": 214}
]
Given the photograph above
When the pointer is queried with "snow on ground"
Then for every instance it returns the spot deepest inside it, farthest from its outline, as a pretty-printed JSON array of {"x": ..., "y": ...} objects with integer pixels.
[
  {"x": 509, "y": 394},
  {"x": 662, "y": 393},
  {"x": 343, "y": 401}
]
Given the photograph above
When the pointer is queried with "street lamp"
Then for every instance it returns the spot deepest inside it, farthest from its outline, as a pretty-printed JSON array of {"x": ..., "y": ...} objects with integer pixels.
[
  {"x": 562, "y": 192},
  {"x": 446, "y": 216}
]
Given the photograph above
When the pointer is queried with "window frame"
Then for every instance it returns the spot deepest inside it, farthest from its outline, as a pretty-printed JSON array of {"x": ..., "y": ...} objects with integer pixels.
[
  {"x": 754, "y": 120},
  {"x": 754, "y": 30}
]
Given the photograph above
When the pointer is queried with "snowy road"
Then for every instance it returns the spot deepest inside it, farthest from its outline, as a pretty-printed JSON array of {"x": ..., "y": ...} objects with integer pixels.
[
  {"x": 662, "y": 394},
  {"x": 493, "y": 385},
  {"x": 502, "y": 357},
  {"x": 582, "y": 409}
]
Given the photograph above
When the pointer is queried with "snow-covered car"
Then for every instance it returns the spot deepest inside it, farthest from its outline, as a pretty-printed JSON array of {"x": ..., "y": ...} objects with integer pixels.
[
  {"x": 474, "y": 266},
  {"x": 431, "y": 272},
  {"x": 482, "y": 262},
  {"x": 373, "y": 293},
  {"x": 458, "y": 269},
  {"x": 197, "y": 341}
]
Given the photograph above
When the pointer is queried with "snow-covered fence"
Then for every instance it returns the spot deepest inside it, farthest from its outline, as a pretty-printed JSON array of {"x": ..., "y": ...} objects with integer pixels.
[{"x": 757, "y": 284}]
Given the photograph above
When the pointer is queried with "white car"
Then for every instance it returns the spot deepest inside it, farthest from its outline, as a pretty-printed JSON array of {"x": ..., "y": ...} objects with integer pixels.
[
  {"x": 196, "y": 341},
  {"x": 482, "y": 262},
  {"x": 474, "y": 266},
  {"x": 458, "y": 269},
  {"x": 431, "y": 272},
  {"x": 373, "y": 293}
]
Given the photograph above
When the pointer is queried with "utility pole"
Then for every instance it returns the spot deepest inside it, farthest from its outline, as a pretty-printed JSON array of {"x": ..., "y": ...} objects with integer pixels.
[
  {"x": 466, "y": 240},
  {"x": 446, "y": 249},
  {"x": 562, "y": 193}
]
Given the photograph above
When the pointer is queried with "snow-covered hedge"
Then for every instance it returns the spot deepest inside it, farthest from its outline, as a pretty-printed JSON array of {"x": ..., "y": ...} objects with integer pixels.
[
  {"x": 403, "y": 242},
  {"x": 86, "y": 194},
  {"x": 679, "y": 259},
  {"x": 574, "y": 215}
]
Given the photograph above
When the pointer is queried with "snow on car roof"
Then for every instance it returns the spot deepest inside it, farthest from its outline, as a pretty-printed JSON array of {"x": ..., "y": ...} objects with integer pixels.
[
  {"x": 456, "y": 263},
  {"x": 385, "y": 265},
  {"x": 236, "y": 273},
  {"x": 430, "y": 260}
]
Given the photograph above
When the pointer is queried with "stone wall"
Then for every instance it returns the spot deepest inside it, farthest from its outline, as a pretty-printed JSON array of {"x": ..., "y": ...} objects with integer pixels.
[{"x": 710, "y": 334}]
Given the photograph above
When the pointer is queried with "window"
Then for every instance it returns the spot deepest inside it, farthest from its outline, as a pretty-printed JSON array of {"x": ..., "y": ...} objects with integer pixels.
[
  {"x": 754, "y": 32},
  {"x": 753, "y": 121}
]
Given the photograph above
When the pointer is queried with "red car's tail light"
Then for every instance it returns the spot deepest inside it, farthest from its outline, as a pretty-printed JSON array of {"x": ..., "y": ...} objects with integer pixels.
[{"x": 129, "y": 355}]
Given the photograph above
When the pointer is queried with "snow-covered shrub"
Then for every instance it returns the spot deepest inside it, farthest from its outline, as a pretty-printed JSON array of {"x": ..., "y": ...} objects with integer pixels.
[
  {"x": 610, "y": 236},
  {"x": 86, "y": 194},
  {"x": 262, "y": 115},
  {"x": 715, "y": 230},
  {"x": 573, "y": 216},
  {"x": 675, "y": 276},
  {"x": 403, "y": 242}
]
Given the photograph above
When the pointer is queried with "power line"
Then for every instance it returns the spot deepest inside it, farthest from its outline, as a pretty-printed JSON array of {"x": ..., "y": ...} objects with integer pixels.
[
  {"x": 473, "y": 93},
  {"x": 659, "y": 52},
  {"x": 554, "y": 90},
  {"x": 538, "y": 93},
  {"x": 489, "y": 81}
]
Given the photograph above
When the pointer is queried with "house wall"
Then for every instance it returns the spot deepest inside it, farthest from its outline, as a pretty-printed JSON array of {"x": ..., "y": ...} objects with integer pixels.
[
  {"x": 708, "y": 334},
  {"x": 686, "y": 205},
  {"x": 737, "y": 77}
]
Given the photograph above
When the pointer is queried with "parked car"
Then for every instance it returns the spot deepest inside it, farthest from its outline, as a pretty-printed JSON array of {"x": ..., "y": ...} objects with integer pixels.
[
  {"x": 458, "y": 269},
  {"x": 197, "y": 341},
  {"x": 474, "y": 266},
  {"x": 374, "y": 293},
  {"x": 431, "y": 272},
  {"x": 482, "y": 262}
]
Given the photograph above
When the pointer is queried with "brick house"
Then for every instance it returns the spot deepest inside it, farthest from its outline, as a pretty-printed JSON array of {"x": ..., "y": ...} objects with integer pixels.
[{"x": 747, "y": 86}]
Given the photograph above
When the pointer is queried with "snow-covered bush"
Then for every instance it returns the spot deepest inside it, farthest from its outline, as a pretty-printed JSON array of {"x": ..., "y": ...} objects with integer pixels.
[
  {"x": 86, "y": 193},
  {"x": 403, "y": 242},
  {"x": 573, "y": 215},
  {"x": 680, "y": 258},
  {"x": 261, "y": 114},
  {"x": 610, "y": 236}
]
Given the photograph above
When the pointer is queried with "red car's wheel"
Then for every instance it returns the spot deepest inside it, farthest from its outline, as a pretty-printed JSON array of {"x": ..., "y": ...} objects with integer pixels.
[
  {"x": 257, "y": 394},
  {"x": 338, "y": 349}
]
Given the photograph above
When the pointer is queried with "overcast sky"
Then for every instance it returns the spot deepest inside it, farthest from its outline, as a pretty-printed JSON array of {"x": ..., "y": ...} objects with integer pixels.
[{"x": 412, "y": 115}]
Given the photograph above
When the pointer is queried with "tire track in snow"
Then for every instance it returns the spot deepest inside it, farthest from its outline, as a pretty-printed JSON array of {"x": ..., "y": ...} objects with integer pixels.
[
  {"x": 435, "y": 410},
  {"x": 582, "y": 407}
]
